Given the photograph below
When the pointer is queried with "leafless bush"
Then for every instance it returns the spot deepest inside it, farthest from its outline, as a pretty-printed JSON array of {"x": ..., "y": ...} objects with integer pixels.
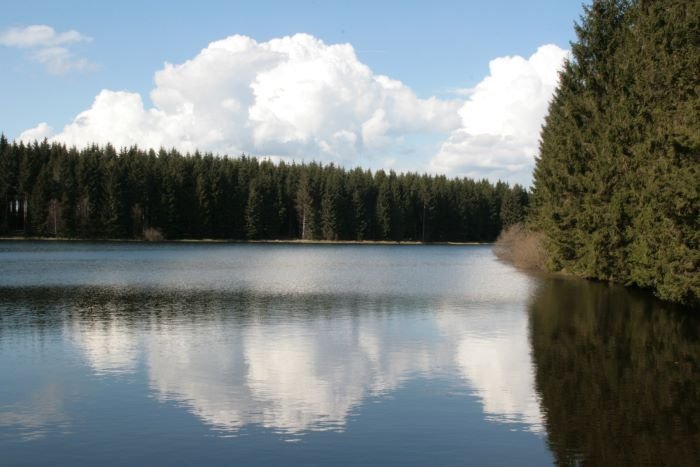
[
  {"x": 153, "y": 235},
  {"x": 521, "y": 247}
]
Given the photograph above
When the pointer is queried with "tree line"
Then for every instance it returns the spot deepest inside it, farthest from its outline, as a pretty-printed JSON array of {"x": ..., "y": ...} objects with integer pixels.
[
  {"x": 617, "y": 181},
  {"x": 102, "y": 192}
]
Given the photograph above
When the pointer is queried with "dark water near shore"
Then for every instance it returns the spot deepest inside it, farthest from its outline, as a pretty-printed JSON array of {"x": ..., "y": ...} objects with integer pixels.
[{"x": 336, "y": 355}]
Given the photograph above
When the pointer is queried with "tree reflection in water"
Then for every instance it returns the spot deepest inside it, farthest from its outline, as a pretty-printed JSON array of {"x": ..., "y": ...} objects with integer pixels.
[{"x": 618, "y": 374}]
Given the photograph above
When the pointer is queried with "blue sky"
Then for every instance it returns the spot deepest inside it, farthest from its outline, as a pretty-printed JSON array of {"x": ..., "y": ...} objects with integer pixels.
[{"x": 433, "y": 48}]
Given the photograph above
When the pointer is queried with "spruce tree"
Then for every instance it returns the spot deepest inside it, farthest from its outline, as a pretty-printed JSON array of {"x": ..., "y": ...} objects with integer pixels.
[
  {"x": 253, "y": 213},
  {"x": 616, "y": 184},
  {"x": 329, "y": 209},
  {"x": 384, "y": 206},
  {"x": 6, "y": 173}
]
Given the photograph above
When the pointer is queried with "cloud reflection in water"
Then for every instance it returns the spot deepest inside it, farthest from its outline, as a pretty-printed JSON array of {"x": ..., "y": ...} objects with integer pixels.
[{"x": 293, "y": 363}]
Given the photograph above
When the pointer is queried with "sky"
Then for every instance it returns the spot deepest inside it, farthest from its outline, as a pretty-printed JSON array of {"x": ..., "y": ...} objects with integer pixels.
[{"x": 458, "y": 88}]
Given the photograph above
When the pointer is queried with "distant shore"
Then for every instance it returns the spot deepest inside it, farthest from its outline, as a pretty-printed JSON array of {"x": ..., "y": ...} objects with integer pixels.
[{"x": 216, "y": 240}]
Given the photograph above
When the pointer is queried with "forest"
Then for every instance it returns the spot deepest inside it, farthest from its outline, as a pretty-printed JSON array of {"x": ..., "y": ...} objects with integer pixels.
[
  {"x": 50, "y": 190},
  {"x": 616, "y": 191},
  {"x": 615, "y": 194}
]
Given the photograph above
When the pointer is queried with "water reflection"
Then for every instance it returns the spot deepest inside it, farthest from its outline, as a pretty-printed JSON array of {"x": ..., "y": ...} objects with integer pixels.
[
  {"x": 293, "y": 363},
  {"x": 140, "y": 344},
  {"x": 303, "y": 363},
  {"x": 108, "y": 344},
  {"x": 618, "y": 374},
  {"x": 38, "y": 414},
  {"x": 499, "y": 369}
]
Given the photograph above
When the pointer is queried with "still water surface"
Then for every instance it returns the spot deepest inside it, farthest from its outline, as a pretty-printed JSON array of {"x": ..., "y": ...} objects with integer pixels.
[{"x": 335, "y": 355}]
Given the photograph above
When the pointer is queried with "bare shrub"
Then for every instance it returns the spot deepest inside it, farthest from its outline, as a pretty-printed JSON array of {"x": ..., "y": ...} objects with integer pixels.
[
  {"x": 153, "y": 235},
  {"x": 521, "y": 247}
]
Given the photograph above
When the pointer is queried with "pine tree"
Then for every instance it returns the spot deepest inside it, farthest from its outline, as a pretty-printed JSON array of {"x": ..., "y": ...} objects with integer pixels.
[
  {"x": 384, "y": 206},
  {"x": 6, "y": 174},
  {"x": 513, "y": 206},
  {"x": 329, "y": 207},
  {"x": 616, "y": 185},
  {"x": 304, "y": 204},
  {"x": 253, "y": 213}
]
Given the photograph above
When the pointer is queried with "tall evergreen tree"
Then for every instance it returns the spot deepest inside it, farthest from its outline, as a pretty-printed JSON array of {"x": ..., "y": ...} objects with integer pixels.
[
  {"x": 253, "y": 213},
  {"x": 616, "y": 185},
  {"x": 6, "y": 182},
  {"x": 330, "y": 202},
  {"x": 513, "y": 206},
  {"x": 304, "y": 203}
]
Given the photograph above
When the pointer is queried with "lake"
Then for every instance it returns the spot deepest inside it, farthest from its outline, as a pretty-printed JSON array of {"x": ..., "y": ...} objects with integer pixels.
[{"x": 274, "y": 354}]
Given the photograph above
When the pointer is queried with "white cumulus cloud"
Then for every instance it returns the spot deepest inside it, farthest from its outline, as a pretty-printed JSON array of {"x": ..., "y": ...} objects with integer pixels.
[
  {"x": 502, "y": 117},
  {"x": 48, "y": 47},
  {"x": 292, "y": 97},
  {"x": 38, "y": 133},
  {"x": 298, "y": 98}
]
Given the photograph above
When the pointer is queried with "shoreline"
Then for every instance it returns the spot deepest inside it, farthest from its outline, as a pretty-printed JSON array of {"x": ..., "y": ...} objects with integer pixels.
[{"x": 233, "y": 241}]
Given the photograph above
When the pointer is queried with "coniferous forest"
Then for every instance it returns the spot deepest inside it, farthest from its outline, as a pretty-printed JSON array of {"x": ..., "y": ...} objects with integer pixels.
[
  {"x": 617, "y": 182},
  {"x": 100, "y": 192},
  {"x": 616, "y": 187}
]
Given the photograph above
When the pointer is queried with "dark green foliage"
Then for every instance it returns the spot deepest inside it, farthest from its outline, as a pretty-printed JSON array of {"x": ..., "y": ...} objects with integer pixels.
[
  {"x": 8, "y": 174},
  {"x": 513, "y": 206},
  {"x": 617, "y": 182},
  {"x": 305, "y": 206},
  {"x": 330, "y": 207},
  {"x": 383, "y": 209},
  {"x": 253, "y": 212},
  {"x": 104, "y": 193}
]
